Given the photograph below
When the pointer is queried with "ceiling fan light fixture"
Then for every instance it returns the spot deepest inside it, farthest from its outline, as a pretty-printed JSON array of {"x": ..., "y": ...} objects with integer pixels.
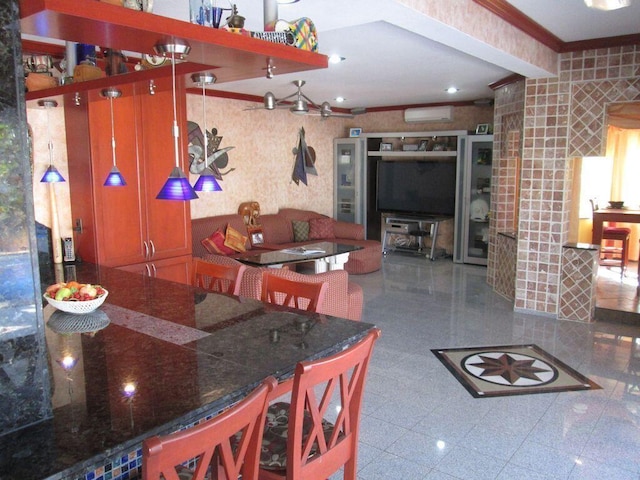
[
  {"x": 269, "y": 101},
  {"x": 607, "y": 5}
]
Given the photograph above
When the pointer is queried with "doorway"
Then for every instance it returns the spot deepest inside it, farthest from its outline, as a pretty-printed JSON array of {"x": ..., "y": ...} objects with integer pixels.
[{"x": 615, "y": 177}]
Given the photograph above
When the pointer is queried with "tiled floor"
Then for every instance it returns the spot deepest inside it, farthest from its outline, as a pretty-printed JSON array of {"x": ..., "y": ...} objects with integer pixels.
[{"x": 420, "y": 423}]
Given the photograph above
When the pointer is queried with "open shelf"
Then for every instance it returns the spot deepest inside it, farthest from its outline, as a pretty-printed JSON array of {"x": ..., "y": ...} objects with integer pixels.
[
  {"x": 233, "y": 56},
  {"x": 412, "y": 154}
]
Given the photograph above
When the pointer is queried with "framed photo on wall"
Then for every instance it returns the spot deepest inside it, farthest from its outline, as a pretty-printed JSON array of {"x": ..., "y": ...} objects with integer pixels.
[
  {"x": 386, "y": 147},
  {"x": 482, "y": 129},
  {"x": 355, "y": 132},
  {"x": 256, "y": 236}
]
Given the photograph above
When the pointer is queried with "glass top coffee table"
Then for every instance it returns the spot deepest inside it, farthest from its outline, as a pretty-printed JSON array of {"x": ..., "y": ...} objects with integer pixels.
[{"x": 325, "y": 256}]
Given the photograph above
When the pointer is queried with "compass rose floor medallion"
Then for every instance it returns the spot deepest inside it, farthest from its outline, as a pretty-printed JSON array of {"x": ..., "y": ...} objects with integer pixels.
[{"x": 511, "y": 370}]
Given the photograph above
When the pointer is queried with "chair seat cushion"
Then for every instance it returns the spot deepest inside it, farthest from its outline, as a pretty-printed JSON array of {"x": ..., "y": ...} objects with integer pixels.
[
  {"x": 274, "y": 440},
  {"x": 616, "y": 231}
]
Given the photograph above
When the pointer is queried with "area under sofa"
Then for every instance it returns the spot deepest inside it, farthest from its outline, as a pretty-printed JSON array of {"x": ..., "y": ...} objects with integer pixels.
[{"x": 278, "y": 233}]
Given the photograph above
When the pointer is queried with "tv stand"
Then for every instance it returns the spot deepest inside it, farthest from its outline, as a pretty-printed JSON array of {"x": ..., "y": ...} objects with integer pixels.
[{"x": 411, "y": 226}]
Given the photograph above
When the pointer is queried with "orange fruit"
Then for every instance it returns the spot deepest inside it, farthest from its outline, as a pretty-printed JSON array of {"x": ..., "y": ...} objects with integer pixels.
[{"x": 73, "y": 284}]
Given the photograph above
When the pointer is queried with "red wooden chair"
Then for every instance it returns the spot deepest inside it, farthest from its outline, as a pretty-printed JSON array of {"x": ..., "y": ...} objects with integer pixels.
[
  {"x": 216, "y": 277},
  {"x": 224, "y": 447},
  {"x": 301, "y": 295},
  {"x": 299, "y": 440}
]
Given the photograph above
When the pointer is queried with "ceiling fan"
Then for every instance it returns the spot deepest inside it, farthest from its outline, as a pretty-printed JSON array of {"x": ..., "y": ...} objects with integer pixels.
[{"x": 300, "y": 104}]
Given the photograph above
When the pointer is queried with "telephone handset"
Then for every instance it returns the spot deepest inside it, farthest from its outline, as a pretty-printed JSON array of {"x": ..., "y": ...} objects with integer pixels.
[{"x": 68, "y": 251}]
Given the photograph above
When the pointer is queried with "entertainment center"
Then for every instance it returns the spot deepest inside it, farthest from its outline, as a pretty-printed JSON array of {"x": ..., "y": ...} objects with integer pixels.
[{"x": 404, "y": 185}]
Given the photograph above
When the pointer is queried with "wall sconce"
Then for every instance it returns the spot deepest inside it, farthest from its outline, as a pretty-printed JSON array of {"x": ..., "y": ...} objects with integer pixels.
[
  {"x": 207, "y": 181},
  {"x": 177, "y": 186},
  {"x": 115, "y": 178}
]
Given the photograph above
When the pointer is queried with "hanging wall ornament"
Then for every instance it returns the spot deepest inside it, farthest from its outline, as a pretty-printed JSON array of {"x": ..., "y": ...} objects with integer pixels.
[
  {"x": 217, "y": 158},
  {"x": 304, "y": 162}
]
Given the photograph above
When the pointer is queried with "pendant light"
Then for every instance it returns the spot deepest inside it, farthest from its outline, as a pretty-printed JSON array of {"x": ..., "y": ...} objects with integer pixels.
[
  {"x": 51, "y": 175},
  {"x": 114, "y": 179},
  {"x": 177, "y": 186},
  {"x": 207, "y": 181}
]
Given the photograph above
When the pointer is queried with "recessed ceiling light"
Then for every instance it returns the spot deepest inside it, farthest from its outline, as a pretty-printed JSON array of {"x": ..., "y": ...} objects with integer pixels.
[
  {"x": 607, "y": 4},
  {"x": 340, "y": 99},
  {"x": 452, "y": 90},
  {"x": 335, "y": 58},
  {"x": 286, "y": 2}
]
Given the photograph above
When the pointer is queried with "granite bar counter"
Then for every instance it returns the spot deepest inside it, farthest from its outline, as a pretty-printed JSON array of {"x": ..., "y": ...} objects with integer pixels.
[{"x": 155, "y": 357}]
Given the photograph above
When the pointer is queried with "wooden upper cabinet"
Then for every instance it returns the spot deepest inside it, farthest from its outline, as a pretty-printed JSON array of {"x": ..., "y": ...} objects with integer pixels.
[{"x": 127, "y": 225}]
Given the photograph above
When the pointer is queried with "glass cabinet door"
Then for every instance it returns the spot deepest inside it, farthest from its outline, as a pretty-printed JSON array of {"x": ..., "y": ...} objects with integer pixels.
[
  {"x": 347, "y": 180},
  {"x": 478, "y": 189}
]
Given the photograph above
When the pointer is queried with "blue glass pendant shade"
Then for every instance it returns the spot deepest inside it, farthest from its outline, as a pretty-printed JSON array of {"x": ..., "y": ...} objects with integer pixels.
[
  {"x": 177, "y": 187},
  {"x": 115, "y": 178},
  {"x": 52, "y": 175},
  {"x": 207, "y": 182}
]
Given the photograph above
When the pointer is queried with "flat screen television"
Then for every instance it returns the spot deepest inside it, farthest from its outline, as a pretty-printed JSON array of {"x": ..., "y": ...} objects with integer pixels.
[{"x": 426, "y": 187}]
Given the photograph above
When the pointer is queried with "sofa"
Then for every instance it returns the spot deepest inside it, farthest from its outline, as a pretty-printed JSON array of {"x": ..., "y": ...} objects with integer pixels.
[
  {"x": 286, "y": 229},
  {"x": 343, "y": 299}
]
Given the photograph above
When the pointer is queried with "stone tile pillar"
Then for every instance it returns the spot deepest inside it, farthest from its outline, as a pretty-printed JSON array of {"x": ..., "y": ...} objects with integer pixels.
[
  {"x": 578, "y": 282},
  {"x": 506, "y": 259}
]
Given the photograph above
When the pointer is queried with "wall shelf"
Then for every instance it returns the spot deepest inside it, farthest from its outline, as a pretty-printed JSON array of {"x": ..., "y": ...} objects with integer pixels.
[
  {"x": 232, "y": 56},
  {"x": 182, "y": 69}
]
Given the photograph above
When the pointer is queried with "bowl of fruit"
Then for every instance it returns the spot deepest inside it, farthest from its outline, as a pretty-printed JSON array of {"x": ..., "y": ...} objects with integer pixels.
[{"x": 74, "y": 297}]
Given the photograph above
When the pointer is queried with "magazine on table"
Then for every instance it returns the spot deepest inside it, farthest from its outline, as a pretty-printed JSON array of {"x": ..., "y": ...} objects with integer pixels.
[{"x": 303, "y": 251}]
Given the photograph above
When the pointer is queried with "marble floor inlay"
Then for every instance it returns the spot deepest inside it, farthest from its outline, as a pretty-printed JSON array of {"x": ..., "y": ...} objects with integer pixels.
[{"x": 510, "y": 370}]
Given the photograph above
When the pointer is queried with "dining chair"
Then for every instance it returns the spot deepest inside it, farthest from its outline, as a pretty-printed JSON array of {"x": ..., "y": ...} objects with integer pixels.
[
  {"x": 316, "y": 434},
  {"x": 216, "y": 277},
  {"x": 292, "y": 293},
  {"x": 220, "y": 448},
  {"x": 616, "y": 254}
]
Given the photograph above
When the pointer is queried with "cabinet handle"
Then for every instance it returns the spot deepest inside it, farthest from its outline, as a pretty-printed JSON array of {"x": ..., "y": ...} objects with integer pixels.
[
  {"x": 148, "y": 270},
  {"x": 146, "y": 249},
  {"x": 155, "y": 270},
  {"x": 153, "y": 248}
]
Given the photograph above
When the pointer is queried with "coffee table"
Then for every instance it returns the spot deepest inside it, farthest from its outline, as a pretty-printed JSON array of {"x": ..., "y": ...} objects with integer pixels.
[{"x": 325, "y": 256}]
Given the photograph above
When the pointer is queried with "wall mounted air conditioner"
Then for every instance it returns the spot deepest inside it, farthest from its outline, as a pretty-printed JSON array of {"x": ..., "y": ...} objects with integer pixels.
[{"x": 429, "y": 114}]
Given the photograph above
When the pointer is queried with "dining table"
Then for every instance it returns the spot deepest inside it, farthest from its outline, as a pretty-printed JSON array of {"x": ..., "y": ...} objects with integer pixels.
[
  {"x": 154, "y": 358},
  {"x": 620, "y": 215}
]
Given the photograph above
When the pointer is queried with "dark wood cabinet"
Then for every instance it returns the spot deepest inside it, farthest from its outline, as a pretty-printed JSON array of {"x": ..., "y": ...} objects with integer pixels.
[{"x": 118, "y": 226}]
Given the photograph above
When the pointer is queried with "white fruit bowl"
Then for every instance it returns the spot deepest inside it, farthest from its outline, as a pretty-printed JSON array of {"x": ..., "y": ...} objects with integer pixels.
[{"x": 77, "y": 306}]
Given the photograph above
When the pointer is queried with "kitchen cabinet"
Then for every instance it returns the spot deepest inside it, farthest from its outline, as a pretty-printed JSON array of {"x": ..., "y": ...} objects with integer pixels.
[
  {"x": 118, "y": 226},
  {"x": 349, "y": 181},
  {"x": 476, "y": 205},
  {"x": 176, "y": 269}
]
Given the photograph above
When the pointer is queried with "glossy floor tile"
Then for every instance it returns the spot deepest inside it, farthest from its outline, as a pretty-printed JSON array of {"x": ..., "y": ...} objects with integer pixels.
[{"x": 420, "y": 423}]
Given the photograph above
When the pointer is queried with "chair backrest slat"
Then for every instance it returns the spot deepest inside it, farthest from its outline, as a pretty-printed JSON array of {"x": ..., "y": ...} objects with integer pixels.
[
  {"x": 301, "y": 295},
  {"x": 217, "y": 277}
]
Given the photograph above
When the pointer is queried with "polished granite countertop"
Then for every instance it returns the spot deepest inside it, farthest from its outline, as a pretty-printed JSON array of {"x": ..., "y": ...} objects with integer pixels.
[{"x": 155, "y": 357}]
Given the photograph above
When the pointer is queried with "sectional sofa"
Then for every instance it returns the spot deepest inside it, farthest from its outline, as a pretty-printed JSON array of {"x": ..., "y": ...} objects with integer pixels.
[{"x": 287, "y": 228}]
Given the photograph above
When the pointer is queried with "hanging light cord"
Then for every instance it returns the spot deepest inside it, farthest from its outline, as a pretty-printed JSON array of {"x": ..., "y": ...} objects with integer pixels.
[
  {"x": 204, "y": 121},
  {"x": 50, "y": 144},
  {"x": 176, "y": 131},
  {"x": 113, "y": 135}
]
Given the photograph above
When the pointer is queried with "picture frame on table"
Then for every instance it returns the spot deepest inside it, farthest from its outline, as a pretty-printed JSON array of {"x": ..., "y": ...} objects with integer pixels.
[
  {"x": 482, "y": 129},
  {"x": 256, "y": 236},
  {"x": 355, "y": 132},
  {"x": 386, "y": 147},
  {"x": 422, "y": 146}
]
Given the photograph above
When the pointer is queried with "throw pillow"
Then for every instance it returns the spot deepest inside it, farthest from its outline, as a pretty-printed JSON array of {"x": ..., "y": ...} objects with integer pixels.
[
  {"x": 214, "y": 243},
  {"x": 321, "y": 228},
  {"x": 300, "y": 231},
  {"x": 235, "y": 240}
]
